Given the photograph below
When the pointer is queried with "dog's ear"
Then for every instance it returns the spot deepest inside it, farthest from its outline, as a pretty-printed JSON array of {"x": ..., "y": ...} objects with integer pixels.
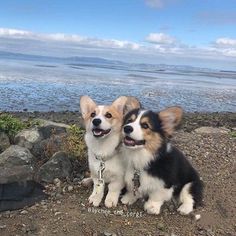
[
  {"x": 131, "y": 104},
  {"x": 119, "y": 103},
  {"x": 170, "y": 118},
  {"x": 87, "y": 105}
]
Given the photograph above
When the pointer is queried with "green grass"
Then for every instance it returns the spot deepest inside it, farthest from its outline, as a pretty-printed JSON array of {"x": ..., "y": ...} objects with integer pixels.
[
  {"x": 10, "y": 125},
  {"x": 74, "y": 144},
  {"x": 233, "y": 134}
]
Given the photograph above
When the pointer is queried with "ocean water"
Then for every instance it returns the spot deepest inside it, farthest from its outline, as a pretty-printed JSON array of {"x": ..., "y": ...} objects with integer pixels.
[{"x": 47, "y": 86}]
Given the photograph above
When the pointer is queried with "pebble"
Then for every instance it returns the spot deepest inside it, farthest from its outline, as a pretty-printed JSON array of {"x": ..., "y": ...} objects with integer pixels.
[
  {"x": 24, "y": 212},
  {"x": 57, "y": 213},
  {"x": 197, "y": 217},
  {"x": 58, "y": 196},
  {"x": 161, "y": 226},
  {"x": 3, "y": 226},
  {"x": 57, "y": 182},
  {"x": 109, "y": 234},
  {"x": 70, "y": 188}
]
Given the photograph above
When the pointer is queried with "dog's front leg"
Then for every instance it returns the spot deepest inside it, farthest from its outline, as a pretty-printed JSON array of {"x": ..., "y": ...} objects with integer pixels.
[
  {"x": 114, "y": 189},
  {"x": 98, "y": 193},
  {"x": 129, "y": 197}
]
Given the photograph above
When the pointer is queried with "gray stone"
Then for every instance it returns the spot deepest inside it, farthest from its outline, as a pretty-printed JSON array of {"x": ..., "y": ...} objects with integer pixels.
[
  {"x": 28, "y": 138},
  {"x": 211, "y": 130},
  {"x": 49, "y": 128},
  {"x": 59, "y": 166},
  {"x": 48, "y": 147},
  {"x": 16, "y": 174},
  {"x": 16, "y": 156},
  {"x": 16, "y": 164},
  {"x": 4, "y": 142}
]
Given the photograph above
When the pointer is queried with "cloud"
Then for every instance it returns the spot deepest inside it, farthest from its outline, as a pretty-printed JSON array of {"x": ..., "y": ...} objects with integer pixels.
[
  {"x": 14, "y": 33},
  {"x": 158, "y": 3},
  {"x": 155, "y": 3},
  {"x": 74, "y": 38},
  {"x": 226, "y": 42},
  {"x": 158, "y": 47},
  {"x": 217, "y": 17},
  {"x": 160, "y": 38}
]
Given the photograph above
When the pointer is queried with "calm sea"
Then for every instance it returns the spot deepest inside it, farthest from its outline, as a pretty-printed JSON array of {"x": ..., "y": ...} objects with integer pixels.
[{"x": 46, "y": 86}]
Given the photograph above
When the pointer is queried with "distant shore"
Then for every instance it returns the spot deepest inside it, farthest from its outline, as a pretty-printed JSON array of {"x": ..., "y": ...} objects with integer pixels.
[{"x": 190, "y": 121}]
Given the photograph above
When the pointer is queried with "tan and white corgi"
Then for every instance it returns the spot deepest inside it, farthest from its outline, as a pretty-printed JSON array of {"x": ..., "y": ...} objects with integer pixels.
[{"x": 103, "y": 125}]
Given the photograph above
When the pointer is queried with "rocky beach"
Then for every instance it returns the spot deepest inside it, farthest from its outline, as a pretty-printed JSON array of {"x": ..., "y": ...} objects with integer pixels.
[{"x": 50, "y": 158}]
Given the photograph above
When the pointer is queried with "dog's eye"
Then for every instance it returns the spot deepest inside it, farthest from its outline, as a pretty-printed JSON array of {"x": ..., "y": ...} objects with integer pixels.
[
  {"x": 129, "y": 121},
  {"x": 108, "y": 115},
  {"x": 93, "y": 114},
  {"x": 144, "y": 125}
]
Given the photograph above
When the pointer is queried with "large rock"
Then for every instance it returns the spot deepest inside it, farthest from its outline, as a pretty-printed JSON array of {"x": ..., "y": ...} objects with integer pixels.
[
  {"x": 17, "y": 195},
  {"x": 28, "y": 138},
  {"x": 49, "y": 128},
  {"x": 59, "y": 166},
  {"x": 15, "y": 156},
  {"x": 211, "y": 130},
  {"x": 16, "y": 164},
  {"x": 16, "y": 174},
  {"x": 4, "y": 142},
  {"x": 46, "y": 148}
]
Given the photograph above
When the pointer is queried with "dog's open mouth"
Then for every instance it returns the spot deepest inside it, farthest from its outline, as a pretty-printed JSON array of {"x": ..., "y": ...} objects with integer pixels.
[
  {"x": 131, "y": 142},
  {"x": 100, "y": 132}
]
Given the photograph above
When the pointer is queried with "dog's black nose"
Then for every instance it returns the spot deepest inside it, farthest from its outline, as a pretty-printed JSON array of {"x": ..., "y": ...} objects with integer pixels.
[
  {"x": 128, "y": 129},
  {"x": 96, "y": 122}
]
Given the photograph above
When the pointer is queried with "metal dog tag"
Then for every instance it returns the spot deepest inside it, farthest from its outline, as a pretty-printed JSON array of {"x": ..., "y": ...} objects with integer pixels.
[
  {"x": 101, "y": 170},
  {"x": 136, "y": 181},
  {"x": 100, "y": 185}
]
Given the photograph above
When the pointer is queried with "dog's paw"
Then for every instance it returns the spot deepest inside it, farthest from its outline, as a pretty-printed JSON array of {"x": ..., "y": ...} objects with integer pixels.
[
  {"x": 111, "y": 201},
  {"x": 152, "y": 207},
  {"x": 129, "y": 199},
  {"x": 87, "y": 182},
  {"x": 94, "y": 200},
  {"x": 185, "y": 209}
]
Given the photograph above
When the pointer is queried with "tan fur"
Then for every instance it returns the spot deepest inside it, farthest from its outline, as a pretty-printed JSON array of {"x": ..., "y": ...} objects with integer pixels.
[
  {"x": 87, "y": 105},
  {"x": 131, "y": 103},
  {"x": 117, "y": 109},
  {"x": 117, "y": 117},
  {"x": 170, "y": 118},
  {"x": 153, "y": 140}
]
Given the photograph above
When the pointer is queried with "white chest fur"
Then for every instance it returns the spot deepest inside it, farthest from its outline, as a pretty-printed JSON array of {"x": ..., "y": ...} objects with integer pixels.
[
  {"x": 114, "y": 167},
  {"x": 138, "y": 160}
]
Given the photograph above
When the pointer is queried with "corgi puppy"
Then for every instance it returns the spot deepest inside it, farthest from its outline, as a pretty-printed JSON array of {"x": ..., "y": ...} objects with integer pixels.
[
  {"x": 163, "y": 171},
  {"x": 103, "y": 138}
]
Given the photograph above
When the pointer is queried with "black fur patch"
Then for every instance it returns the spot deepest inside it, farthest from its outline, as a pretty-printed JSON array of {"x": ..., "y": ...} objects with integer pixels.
[
  {"x": 176, "y": 171},
  {"x": 156, "y": 125},
  {"x": 129, "y": 114}
]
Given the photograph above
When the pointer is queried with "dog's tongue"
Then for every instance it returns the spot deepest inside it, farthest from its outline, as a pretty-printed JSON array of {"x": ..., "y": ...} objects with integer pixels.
[
  {"x": 129, "y": 141},
  {"x": 98, "y": 132}
]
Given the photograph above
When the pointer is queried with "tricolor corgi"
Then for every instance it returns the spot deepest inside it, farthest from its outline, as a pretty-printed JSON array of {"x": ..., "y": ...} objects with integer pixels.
[
  {"x": 162, "y": 170},
  {"x": 103, "y": 138}
]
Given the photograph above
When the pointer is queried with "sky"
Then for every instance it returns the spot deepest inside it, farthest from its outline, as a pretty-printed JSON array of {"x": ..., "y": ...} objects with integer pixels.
[{"x": 197, "y": 32}]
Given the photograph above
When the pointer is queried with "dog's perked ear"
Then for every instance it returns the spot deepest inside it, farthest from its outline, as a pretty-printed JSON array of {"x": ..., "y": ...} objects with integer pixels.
[
  {"x": 119, "y": 103},
  {"x": 170, "y": 118},
  {"x": 87, "y": 105},
  {"x": 131, "y": 104}
]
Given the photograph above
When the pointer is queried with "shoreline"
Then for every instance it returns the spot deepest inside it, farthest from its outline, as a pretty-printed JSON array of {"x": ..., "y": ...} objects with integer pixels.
[{"x": 190, "y": 121}]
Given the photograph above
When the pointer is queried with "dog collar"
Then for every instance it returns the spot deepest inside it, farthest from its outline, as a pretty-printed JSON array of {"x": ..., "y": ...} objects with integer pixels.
[{"x": 104, "y": 158}]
